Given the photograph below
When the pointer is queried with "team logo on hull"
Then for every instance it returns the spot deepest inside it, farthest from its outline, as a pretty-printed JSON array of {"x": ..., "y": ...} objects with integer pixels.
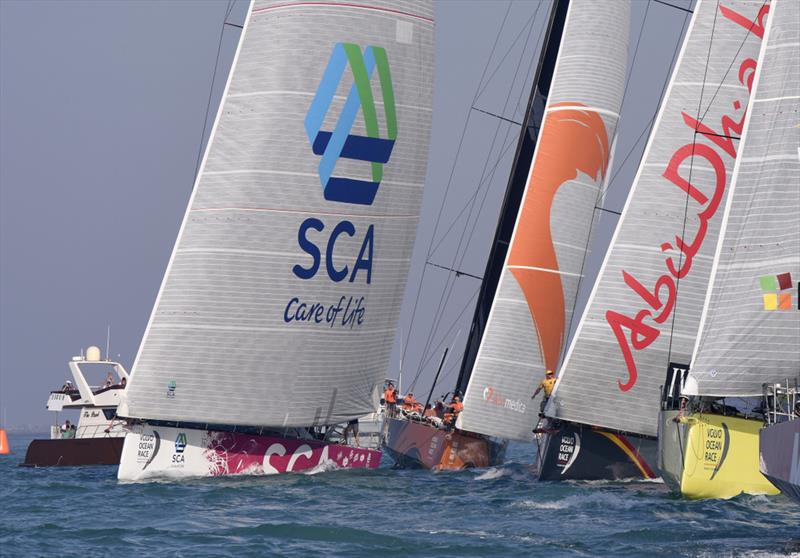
[{"x": 340, "y": 143}]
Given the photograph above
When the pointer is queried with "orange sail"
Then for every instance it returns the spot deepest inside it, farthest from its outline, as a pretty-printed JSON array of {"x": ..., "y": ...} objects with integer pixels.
[{"x": 579, "y": 138}]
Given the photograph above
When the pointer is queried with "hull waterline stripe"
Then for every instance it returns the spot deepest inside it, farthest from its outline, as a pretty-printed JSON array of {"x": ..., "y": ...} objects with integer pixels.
[{"x": 631, "y": 452}]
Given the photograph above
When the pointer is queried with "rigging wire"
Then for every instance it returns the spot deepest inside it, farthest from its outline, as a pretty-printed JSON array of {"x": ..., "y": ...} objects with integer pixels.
[
  {"x": 694, "y": 143},
  {"x": 450, "y": 179},
  {"x": 691, "y": 166},
  {"x": 450, "y": 285},
  {"x": 211, "y": 87}
]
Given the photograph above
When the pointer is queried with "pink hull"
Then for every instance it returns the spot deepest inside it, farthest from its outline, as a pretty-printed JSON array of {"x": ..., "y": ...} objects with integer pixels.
[{"x": 241, "y": 453}]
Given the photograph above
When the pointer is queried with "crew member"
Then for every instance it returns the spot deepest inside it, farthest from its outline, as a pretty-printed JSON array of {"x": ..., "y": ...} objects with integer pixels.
[
  {"x": 547, "y": 385},
  {"x": 351, "y": 428},
  {"x": 409, "y": 403},
  {"x": 455, "y": 408},
  {"x": 390, "y": 399}
]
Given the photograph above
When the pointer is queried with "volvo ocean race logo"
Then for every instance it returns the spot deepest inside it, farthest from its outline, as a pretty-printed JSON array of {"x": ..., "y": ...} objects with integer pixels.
[
  {"x": 340, "y": 143},
  {"x": 345, "y": 311}
]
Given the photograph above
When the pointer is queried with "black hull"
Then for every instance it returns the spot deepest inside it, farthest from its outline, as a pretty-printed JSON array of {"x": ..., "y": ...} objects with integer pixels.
[
  {"x": 74, "y": 452},
  {"x": 576, "y": 452}
]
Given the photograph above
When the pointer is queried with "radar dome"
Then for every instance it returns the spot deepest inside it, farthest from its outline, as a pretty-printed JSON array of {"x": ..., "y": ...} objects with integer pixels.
[{"x": 93, "y": 354}]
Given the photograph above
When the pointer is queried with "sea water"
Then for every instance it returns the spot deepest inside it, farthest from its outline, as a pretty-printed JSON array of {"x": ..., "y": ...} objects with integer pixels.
[{"x": 501, "y": 511}]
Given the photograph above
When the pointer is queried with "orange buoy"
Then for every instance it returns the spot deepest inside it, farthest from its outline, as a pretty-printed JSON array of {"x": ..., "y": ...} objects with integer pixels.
[{"x": 3, "y": 442}]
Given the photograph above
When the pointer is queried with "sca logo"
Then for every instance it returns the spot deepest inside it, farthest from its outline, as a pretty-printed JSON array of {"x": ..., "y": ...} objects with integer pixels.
[
  {"x": 180, "y": 443},
  {"x": 180, "y": 446},
  {"x": 776, "y": 292},
  {"x": 340, "y": 143}
]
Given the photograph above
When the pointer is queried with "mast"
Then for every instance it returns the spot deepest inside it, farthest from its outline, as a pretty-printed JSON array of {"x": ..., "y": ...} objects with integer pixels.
[{"x": 534, "y": 115}]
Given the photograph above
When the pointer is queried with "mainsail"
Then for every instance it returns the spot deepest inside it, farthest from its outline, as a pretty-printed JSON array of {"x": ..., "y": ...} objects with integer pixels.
[
  {"x": 280, "y": 303},
  {"x": 750, "y": 334},
  {"x": 644, "y": 309},
  {"x": 536, "y": 293}
]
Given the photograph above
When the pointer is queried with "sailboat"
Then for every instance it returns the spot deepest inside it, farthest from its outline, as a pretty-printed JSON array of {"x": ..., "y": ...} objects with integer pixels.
[
  {"x": 274, "y": 322},
  {"x": 750, "y": 326},
  {"x": 643, "y": 312},
  {"x": 529, "y": 285},
  {"x": 779, "y": 440}
]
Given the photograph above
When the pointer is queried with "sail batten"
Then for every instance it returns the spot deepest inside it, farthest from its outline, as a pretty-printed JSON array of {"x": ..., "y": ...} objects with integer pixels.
[
  {"x": 535, "y": 294},
  {"x": 280, "y": 302},
  {"x": 644, "y": 309}
]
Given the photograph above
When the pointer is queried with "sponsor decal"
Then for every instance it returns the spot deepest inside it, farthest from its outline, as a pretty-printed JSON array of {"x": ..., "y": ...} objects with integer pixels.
[
  {"x": 340, "y": 143},
  {"x": 233, "y": 453},
  {"x": 774, "y": 292},
  {"x": 639, "y": 329},
  {"x": 314, "y": 236},
  {"x": 147, "y": 449},
  {"x": 579, "y": 135},
  {"x": 716, "y": 441},
  {"x": 180, "y": 443},
  {"x": 493, "y": 397},
  {"x": 171, "y": 385},
  {"x": 568, "y": 449},
  {"x": 178, "y": 459}
]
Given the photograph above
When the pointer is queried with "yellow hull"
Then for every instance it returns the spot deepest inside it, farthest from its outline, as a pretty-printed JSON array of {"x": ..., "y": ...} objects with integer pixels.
[{"x": 720, "y": 457}]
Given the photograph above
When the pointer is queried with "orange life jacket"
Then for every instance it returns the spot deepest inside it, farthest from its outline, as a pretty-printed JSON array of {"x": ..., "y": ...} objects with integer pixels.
[
  {"x": 457, "y": 407},
  {"x": 390, "y": 396}
]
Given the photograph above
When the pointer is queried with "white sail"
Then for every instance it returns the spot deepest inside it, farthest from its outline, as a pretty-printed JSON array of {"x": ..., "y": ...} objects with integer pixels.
[
  {"x": 751, "y": 331},
  {"x": 530, "y": 313},
  {"x": 644, "y": 309},
  {"x": 280, "y": 302}
]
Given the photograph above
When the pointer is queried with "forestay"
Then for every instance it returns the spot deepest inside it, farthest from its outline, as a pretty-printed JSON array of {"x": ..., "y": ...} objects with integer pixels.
[
  {"x": 536, "y": 293},
  {"x": 644, "y": 309},
  {"x": 280, "y": 302},
  {"x": 751, "y": 331}
]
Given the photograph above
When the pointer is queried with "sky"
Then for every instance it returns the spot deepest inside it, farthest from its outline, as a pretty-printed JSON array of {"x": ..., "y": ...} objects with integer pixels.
[{"x": 104, "y": 110}]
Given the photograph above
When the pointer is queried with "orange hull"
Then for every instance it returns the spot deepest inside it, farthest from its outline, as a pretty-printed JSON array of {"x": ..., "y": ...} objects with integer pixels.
[{"x": 420, "y": 445}]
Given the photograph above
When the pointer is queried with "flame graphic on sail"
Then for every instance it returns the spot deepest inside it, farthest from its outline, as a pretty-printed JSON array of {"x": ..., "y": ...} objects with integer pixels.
[{"x": 571, "y": 140}]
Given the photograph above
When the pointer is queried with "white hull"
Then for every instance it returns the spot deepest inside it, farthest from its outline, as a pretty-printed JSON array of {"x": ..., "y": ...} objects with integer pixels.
[{"x": 174, "y": 453}]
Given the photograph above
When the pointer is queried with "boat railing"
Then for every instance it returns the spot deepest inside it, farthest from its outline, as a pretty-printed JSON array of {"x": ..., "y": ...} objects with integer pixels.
[
  {"x": 781, "y": 401},
  {"x": 99, "y": 431}
]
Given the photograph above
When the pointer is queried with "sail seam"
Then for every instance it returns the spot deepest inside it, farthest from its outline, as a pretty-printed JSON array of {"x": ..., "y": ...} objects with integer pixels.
[
  {"x": 342, "y": 5},
  {"x": 276, "y": 210},
  {"x": 535, "y": 268}
]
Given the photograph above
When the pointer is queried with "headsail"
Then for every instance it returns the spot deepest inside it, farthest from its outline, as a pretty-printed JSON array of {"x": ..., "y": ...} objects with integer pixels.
[
  {"x": 280, "y": 303},
  {"x": 750, "y": 334},
  {"x": 536, "y": 293},
  {"x": 644, "y": 309}
]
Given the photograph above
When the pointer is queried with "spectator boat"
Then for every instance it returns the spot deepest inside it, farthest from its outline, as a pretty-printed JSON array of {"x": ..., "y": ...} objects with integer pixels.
[{"x": 98, "y": 436}]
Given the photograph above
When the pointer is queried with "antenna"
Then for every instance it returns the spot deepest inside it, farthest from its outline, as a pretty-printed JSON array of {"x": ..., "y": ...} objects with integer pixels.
[{"x": 108, "y": 341}]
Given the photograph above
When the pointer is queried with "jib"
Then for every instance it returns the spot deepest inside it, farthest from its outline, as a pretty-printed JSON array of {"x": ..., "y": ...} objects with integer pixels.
[{"x": 363, "y": 261}]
